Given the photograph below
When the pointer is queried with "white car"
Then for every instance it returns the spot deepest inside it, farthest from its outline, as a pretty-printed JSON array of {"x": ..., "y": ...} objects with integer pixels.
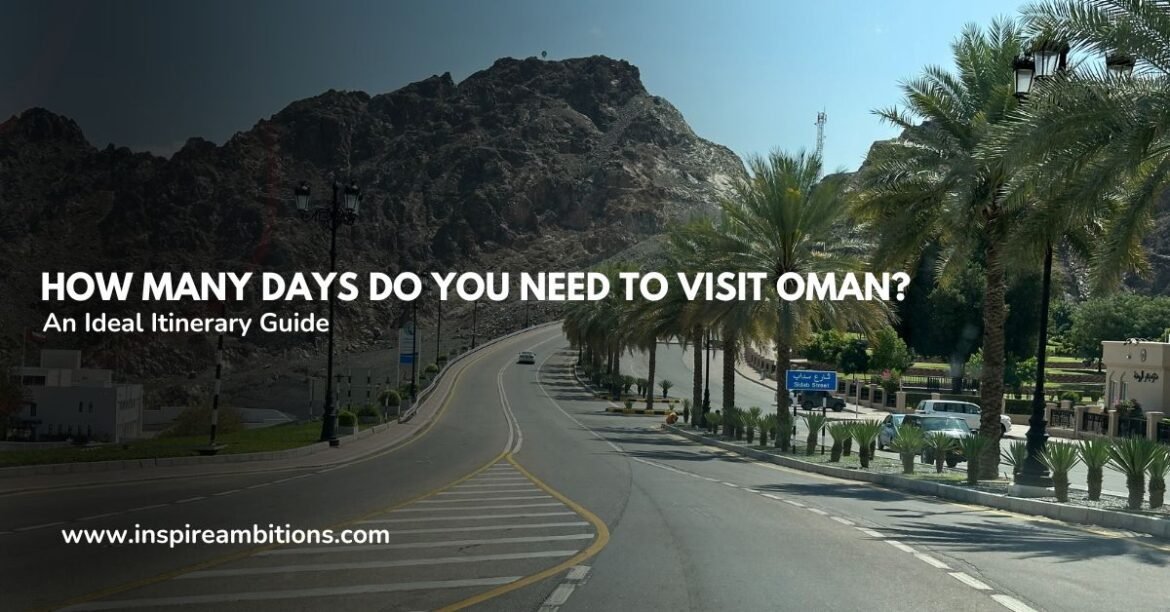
[
  {"x": 527, "y": 357},
  {"x": 967, "y": 411}
]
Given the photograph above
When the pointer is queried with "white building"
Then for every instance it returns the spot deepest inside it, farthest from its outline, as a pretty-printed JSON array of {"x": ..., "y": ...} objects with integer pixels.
[
  {"x": 1137, "y": 370},
  {"x": 65, "y": 399}
]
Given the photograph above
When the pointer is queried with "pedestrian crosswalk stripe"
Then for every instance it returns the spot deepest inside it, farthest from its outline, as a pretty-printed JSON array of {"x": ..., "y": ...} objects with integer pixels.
[
  {"x": 312, "y": 550},
  {"x": 361, "y": 565}
]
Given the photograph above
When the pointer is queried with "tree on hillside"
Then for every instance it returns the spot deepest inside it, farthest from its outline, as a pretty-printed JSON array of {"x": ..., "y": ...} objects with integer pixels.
[{"x": 854, "y": 358}]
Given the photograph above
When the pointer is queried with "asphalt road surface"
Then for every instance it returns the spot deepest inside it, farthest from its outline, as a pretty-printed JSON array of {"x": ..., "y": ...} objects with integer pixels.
[{"x": 526, "y": 495}]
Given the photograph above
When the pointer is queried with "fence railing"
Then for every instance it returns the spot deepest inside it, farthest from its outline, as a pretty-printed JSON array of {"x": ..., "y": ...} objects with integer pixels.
[
  {"x": 1164, "y": 432},
  {"x": 1095, "y": 423},
  {"x": 1130, "y": 427},
  {"x": 1061, "y": 418}
]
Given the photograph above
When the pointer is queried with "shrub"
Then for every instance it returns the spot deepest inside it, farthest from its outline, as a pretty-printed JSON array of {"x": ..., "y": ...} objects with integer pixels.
[
  {"x": 666, "y": 385},
  {"x": 847, "y": 441},
  {"x": 973, "y": 448},
  {"x": 629, "y": 404},
  {"x": 865, "y": 432},
  {"x": 346, "y": 419},
  {"x": 1060, "y": 458},
  {"x": 839, "y": 431},
  {"x": 1132, "y": 456},
  {"x": 391, "y": 398},
  {"x": 713, "y": 421},
  {"x": 431, "y": 369},
  {"x": 908, "y": 443},
  {"x": 441, "y": 359},
  {"x": 1072, "y": 396},
  {"x": 939, "y": 444},
  {"x": 1094, "y": 453},
  {"x": 1015, "y": 455},
  {"x": 196, "y": 420},
  {"x": 1157, "y": 469},
  {"x": 627, "y": 383},
  {"x": 815, "y": 422},
  {"x": 686, "y": 411},
  {"x": 768, "y": 426},
  {"x": 369, "y": 411},
  {"x": 751, "y": 420}
]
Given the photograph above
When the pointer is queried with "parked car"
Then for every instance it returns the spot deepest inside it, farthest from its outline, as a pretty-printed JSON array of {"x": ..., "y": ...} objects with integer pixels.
[
  {"x": 967, "y": 411},
  {"x": 811, "y": 400},
  {"x": 954, "y": 427},
  {"x": 527, "y": 357},
  {"x": 889, "y": 430}
]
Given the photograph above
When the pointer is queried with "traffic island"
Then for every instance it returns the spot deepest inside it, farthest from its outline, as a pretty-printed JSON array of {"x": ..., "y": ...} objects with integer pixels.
[{"x": 1109, "y": 512}]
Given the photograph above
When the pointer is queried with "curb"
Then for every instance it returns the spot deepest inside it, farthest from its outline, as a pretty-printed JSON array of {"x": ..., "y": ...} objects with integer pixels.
[
  {"x": 83, "y": 467},
  {"x": 1159, "y": 527}
]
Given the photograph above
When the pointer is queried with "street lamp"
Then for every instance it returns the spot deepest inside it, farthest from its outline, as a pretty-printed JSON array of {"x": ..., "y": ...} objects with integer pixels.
[
  {"x": 1050, "y": 58},
  {"x": 1119, "y": 65},
  {"x": 342, "y": 210}
]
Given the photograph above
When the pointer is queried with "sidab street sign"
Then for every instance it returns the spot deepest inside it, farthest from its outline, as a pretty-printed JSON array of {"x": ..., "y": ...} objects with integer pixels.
[{"x": 811, "y": 380}]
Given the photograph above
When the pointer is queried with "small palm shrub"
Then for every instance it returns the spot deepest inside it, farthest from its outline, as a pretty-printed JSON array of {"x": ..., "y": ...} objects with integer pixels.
[
  {"x": 643, "y": 386},
  {"x": 714, "y": 419},
  {"x": 627, "y": 383},
  {"x": 973, "y": 448},
  {"x": 1157, "y": 469},
  {"x": 847, "y": 441},
  {"x": 1132, "y": 456},
  {"x": 815, "y": 422},
  {"x": 686, "y": 411},
  {"x": 767, "y": 425},
  {"x": 865, "y": 432},
  {"x": 1060, "y": 458},
  {"x": 839, "y": 431},
  {"x": 629, "y": 404},
  {"x": 1094, "y": 453},
  {"x": 751, "y": 421},
  {"x": 1015, "y": 455},
  {"x": 939, "y": 444},
  {"x": 666, "y": 385},
  {"x": 908, "y": 442}
]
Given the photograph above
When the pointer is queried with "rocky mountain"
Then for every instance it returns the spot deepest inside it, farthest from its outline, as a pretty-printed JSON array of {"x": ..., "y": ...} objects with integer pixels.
[{"x": 527, "y": 165}]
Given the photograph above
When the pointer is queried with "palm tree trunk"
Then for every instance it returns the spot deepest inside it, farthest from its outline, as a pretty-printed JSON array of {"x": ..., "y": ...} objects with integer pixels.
[
  {"x": 730, "y": 353},
  {"x": 650, "y": 377},
  {"x": 697, "y": 416},
  {"x": 991, "y": 383},
  {"x": 784, "y": 429}
]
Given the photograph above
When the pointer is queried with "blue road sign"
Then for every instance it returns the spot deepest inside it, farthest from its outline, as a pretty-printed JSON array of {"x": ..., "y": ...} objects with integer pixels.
[
  {"x": 811, "y": 380},
  {"x": 406, "y": 358}
]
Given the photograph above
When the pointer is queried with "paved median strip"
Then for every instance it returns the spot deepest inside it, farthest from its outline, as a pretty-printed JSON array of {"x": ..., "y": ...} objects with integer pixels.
[
  {"x": 489, "y": 528},
  {"x": 487, "y": 507},
  {"x": 483, "y": 499},
  {"x": 366, "y": 565},
  {"x": 474, "y": 517},
  {"x": 360, "y": 589},
  {"x": 312, "y": 550}
]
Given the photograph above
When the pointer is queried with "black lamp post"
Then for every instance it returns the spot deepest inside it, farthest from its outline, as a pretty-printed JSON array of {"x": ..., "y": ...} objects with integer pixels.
[
  {"x": 1048, "y": 59},
  {"x": 342, "y": 210},
  {"x": 707, "y": 381},
  {"x": 474, "y": 316}
]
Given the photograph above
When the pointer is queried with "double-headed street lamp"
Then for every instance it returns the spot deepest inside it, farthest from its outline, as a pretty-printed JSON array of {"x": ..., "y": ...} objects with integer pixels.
[
  {"x": 1047, "y": 60},
  {"x": 342, "y": 210}
]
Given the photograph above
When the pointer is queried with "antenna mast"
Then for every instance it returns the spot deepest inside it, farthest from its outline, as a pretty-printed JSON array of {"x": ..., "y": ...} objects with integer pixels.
[{"x": 821, "y": 119}]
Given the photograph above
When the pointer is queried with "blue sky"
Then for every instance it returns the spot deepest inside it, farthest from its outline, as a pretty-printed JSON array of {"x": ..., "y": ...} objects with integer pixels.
[{"x": 747, "y": 74}]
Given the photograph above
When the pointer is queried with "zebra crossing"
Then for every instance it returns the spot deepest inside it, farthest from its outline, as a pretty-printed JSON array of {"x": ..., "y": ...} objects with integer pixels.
[{"x": 490, "y": 530}]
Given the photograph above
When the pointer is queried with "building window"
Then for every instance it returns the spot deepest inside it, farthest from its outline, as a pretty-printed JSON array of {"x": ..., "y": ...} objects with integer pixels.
[{"x": 80, "y": 407}]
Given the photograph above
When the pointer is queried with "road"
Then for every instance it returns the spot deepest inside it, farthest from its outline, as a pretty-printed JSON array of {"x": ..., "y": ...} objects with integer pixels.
[
  {"x": 675, "y": 362},
  {"x": 526, "y": 495}
]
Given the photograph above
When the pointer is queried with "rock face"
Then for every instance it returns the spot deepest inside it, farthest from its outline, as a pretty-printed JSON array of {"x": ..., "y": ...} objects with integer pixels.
[{"x": 527, "y": 165}]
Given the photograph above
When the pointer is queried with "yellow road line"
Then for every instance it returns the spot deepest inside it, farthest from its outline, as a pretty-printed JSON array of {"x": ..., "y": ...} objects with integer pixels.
[{"x": 598, "y": 543}]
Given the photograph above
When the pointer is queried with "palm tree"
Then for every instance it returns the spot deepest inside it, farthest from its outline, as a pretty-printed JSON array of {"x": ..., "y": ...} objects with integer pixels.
[
  {"x": 1102, "y": 135},
  {"x": 784, "y": 219},
  {"x": 932, "y": 184}
]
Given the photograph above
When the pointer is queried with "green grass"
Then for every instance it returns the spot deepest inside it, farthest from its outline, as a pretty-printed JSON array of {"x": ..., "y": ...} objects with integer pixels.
[{"x": 279, "y": 437}]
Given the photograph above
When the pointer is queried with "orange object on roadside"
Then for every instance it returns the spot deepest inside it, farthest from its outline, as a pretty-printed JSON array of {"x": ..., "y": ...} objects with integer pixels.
[{"x": 671, "y": 418}]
